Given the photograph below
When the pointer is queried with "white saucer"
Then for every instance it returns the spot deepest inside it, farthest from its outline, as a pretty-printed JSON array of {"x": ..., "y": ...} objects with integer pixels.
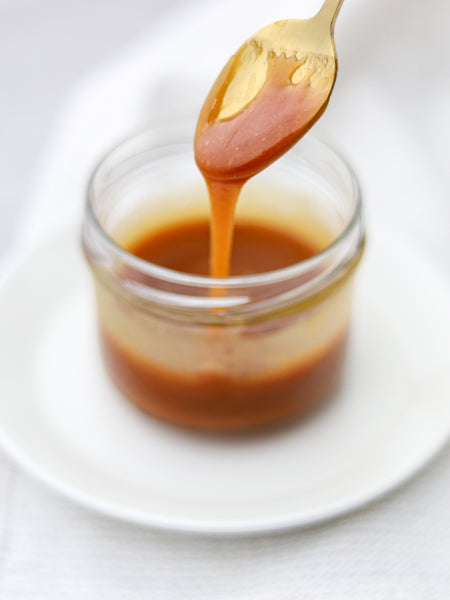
[{"x": 61, "y": 418}]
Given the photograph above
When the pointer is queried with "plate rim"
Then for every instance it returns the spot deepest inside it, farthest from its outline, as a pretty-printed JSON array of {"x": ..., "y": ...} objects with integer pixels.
[
  {"x": 262, "y": 527},
  {"x": 230, "y": 527}
]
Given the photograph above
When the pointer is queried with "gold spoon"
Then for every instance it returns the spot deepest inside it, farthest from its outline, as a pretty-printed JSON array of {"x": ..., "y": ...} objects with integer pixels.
[{"x": 268, "y": 95}]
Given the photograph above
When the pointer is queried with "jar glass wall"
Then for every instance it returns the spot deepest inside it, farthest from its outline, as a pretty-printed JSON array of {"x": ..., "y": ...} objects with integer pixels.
[{"x": 232, "y": 353}]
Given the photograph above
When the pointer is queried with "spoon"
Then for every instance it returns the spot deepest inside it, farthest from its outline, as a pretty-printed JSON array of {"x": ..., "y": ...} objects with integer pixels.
[{"x": 267, "y": 96}]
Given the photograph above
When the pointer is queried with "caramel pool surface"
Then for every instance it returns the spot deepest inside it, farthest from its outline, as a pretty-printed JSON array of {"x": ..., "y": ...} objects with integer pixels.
[
  {"x": 246, "y": 376},
  {"x": 256, "y": 248}
]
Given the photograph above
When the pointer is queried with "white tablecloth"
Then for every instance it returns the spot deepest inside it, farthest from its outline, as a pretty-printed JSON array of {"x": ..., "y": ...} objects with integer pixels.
[{"x": 394, "y": 129}]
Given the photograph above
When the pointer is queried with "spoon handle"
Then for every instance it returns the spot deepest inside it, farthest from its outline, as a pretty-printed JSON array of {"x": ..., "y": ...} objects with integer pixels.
[{"x": 329, "y": 12}]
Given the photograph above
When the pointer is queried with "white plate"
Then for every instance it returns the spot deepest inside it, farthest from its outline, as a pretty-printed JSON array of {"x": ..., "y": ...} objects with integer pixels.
[{"x": 62, "y": 420}]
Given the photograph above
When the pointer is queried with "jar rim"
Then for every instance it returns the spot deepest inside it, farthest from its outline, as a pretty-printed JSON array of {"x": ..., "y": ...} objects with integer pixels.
[{"x": 171, "y": 276}]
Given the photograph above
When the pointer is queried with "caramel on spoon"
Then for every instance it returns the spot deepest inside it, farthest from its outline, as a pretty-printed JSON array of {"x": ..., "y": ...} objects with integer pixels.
[{"x": 267, "y": 96}]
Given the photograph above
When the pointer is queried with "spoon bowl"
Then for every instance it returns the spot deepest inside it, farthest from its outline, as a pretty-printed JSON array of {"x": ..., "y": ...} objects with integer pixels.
[{"x": 268, "y": 95}]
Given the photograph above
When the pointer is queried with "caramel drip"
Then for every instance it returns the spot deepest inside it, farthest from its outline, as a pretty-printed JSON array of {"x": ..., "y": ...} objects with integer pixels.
[{"x": 230, "y": 151}]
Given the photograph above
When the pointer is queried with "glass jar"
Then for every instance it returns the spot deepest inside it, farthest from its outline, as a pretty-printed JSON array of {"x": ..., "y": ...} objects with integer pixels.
[{"x": 267, "y": 347}]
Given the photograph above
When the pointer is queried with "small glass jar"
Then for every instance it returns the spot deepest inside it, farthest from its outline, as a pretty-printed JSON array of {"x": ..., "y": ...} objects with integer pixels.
[{"x": 268, "y": 347}]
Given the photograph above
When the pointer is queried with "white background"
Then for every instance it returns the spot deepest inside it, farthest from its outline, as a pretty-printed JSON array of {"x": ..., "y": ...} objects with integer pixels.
[{"x": 397, "y": 548}]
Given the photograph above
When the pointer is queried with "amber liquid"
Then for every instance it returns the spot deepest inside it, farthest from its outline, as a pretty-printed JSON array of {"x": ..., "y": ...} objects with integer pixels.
[
  {"x": 218, "y": 402},
  {"x": 229, "y": 152},
  {"x": 256, "y": 248},
  {"x": 208, "y": 399}
]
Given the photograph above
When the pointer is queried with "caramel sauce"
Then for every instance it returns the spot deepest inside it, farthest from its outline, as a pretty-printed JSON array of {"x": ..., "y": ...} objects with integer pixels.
[
  {"x": 209, "y": 398},
  {"x": 256, "y": 248},
  {"x": 241, "y": 146},
  {"x": 220, "y": 402},
  {"x": 228, "y": 152}
]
